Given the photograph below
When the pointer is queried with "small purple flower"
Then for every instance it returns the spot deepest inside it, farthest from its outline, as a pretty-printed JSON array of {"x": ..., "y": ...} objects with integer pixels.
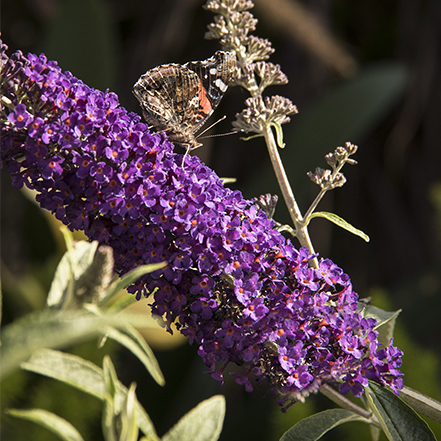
[
  {"x": 256, "y": 309},
  {"x": 355, "y": 383},
  {"x": 352, "y": 345},
  {"x": 300, "y": 378},
  {"x": 19, "y": 117},
  {"x": 330, "y": 272}
]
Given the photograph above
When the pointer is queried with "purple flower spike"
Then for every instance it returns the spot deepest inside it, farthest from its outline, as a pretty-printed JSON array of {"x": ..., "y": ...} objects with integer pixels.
[{"x": 234, "y": 285}]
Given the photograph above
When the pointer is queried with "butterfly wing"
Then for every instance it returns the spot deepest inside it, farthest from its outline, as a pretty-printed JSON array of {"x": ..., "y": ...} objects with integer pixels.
[
  {"x": 214, "y": 75},
  {"x": 179, "y": 99},
  {"x": 168, "y": 96}
]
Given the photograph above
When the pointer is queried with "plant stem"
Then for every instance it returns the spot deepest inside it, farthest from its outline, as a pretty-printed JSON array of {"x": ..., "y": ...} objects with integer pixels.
[
  {"x": 290, "y": 201},
  {"x": 313, "y": 206},
  {"x": 343, "y": 402}
]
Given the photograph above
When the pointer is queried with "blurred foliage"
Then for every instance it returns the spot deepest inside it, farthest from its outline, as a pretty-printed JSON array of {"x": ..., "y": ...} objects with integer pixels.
[{"x": 390, "y": 107}]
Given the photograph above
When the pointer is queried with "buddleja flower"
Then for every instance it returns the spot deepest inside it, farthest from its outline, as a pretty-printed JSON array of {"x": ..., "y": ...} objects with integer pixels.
[{"x": 233, "y": 284}]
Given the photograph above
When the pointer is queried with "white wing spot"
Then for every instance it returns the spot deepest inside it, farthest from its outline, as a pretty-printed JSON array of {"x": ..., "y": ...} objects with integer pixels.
[{"x": 221, "y": 85}]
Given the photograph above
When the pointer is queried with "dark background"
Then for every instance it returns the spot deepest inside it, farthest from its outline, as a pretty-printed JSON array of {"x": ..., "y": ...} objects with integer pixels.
[{"x": 368, "y": 72}]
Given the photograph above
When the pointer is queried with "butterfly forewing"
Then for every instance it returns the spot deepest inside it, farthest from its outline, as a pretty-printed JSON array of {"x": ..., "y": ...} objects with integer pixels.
[{"x": 214, "y": 75}]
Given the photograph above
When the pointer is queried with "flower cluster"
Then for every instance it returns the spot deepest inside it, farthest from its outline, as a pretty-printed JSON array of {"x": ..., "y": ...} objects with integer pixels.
[
  {"x": 327, "y": 179},
  {"x": 231, "y": 26},
  {"x": 234, "y": 285}
]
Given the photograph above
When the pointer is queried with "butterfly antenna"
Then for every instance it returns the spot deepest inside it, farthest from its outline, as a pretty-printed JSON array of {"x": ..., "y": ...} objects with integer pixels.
[
  {"x": 220, "y": 134},
  {"x": 212, "y": 125},
  {"x": 217, "y": 134}
]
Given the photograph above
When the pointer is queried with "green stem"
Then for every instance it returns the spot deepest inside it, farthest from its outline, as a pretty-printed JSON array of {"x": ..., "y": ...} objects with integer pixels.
[
  {"x": 313, "y": 206},
  {"x": 343, "y": 402},
  {"x": 290, "y": 201}
]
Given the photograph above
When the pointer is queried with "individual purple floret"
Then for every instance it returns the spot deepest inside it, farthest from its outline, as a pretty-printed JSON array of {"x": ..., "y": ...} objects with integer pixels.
[{"x": 234, "y": 285}]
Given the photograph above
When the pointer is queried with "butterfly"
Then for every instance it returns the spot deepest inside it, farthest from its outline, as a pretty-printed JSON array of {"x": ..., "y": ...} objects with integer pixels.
[{"x": 178, "y": 99}]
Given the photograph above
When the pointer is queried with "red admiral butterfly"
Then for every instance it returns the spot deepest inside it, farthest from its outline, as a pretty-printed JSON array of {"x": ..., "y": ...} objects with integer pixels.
[{"x": 178, "y": 99}]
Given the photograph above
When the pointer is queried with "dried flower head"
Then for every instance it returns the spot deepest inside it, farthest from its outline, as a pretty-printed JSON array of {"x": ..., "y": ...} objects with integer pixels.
[
  {"x": 328, "y": 179},
  {"x": 260, "y": 112},
  {"x": 267, "y": 203},
  {"x": 232, "y": 26}
]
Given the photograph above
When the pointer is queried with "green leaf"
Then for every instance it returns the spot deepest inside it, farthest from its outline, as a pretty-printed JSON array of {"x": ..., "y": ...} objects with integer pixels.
[
  {"x": 133, "y": 340},
  {"x": 315, "y": 426},
  {"x": 85, "y": 376},
  {"x": 130, "y": 277},
  {"x": 72, "y": 266},
  {"x": 398, "y": 421},
  {"x": 110, "y": 408},
  {"x": 375, "y": 432},
  {"x": 57, "y": 425},
  {"x": 227, "y": 181},
  {"x": 54, "y": 329},
  {"x": 279, "y": 134},
  {"x": 122, "y": 303},
  {"x": 248, "y": 138},
  {"x": 68, "y": 237},
  {"x": 203, "y": 423},
  {"x": 129, "y": 428},
  {"x": 110, "y": 376},
  {"x": 337, "y": 220},
  {"x": 108, "y": 417},
  {"x": 84, "y": 274},
  {"x": 385, "y": 322},
  {"x": 421, "y": 403}
]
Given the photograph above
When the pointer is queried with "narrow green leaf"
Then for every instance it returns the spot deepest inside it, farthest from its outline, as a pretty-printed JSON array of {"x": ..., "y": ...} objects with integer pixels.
[
  {"x": 110, "y": 409},
  {"x": 110, "y": 377},
  {"x": 422, "y": 403},
  {"x": 57, "y": 425},
  {"x": 279, "y": 134},
  {"x": 122, "y": 303},
  {"x": 315, "y": 426},
  {"x": 68, "y": 237},
  {"x": 54, "y": 329},
  {"x": 130, "y": 277},
  {"x": 72, "y": 266},
  {"x": 63, "y": 285},
  {"x": 108, "y": 423},
  {"x": 202, "y": 423},
  {"x": 227, "y": 181},
  {"x": 85, "y": 376},
  {"x": 251, "y": 137},
  {"x": 82, "y": 256},
  {"x": 133, "y": 340},
  {"x": 375, "y": 432},
  {"x": 129, "y": 428},
  {"x": 337, "y": 220},
  {"x": 398, "y": 421},
  {"x": 385, "y": 321}
]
